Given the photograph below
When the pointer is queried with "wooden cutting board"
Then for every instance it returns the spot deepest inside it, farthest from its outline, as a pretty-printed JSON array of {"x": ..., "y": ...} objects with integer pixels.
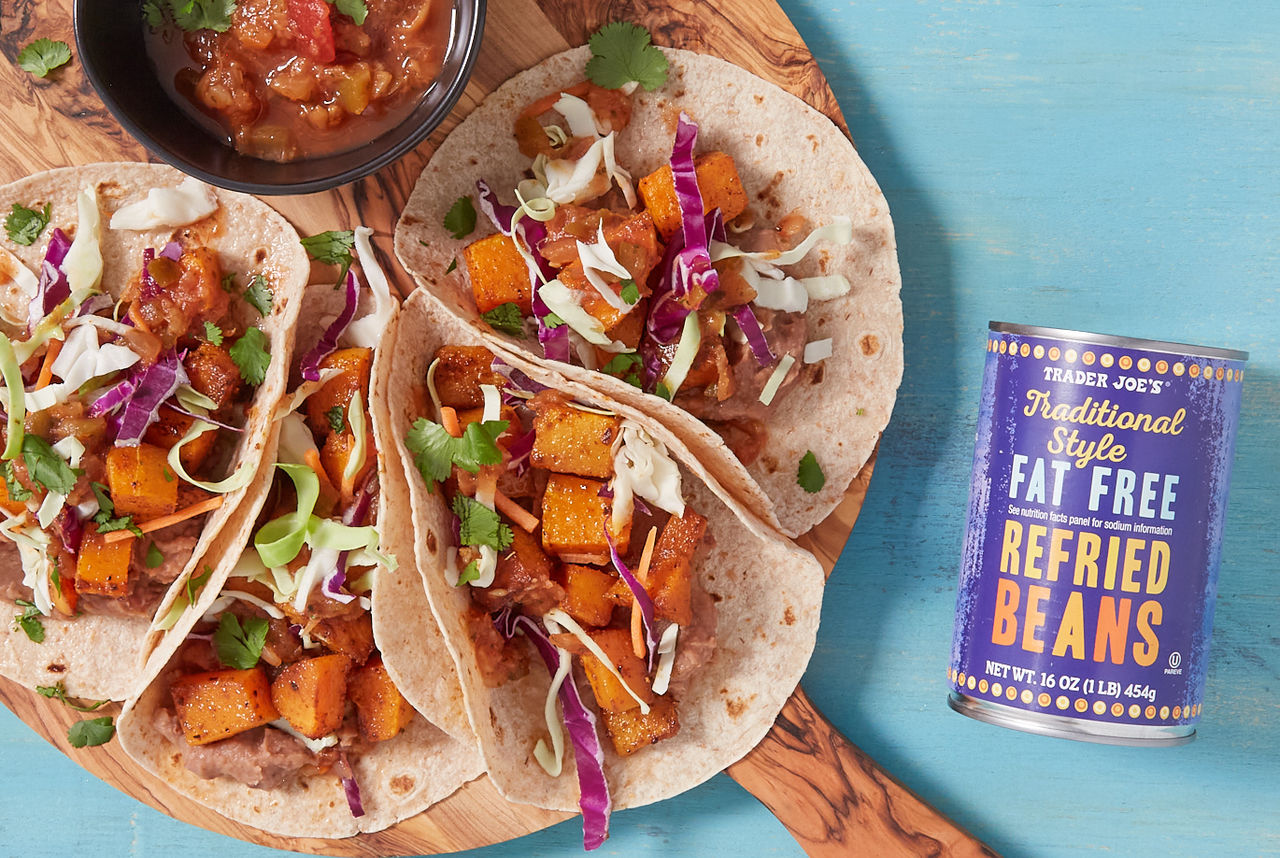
[{"x": 833, "y": 798}]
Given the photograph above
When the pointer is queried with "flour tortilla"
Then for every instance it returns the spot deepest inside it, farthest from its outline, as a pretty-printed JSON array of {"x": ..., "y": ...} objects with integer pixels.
[
  {"x": 102, "y": 657},
  {"x": 791, "y": 158},
  {"x": 768, "y": 597},
  {"x": 398, "y": 778}
]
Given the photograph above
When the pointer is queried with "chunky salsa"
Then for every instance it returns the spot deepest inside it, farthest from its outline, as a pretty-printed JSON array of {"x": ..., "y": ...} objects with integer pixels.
[{"x": 286, "y": 80}]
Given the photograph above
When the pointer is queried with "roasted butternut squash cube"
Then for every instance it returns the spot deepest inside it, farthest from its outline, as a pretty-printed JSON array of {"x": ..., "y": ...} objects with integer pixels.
[
  {"x": 336, "y": 453},
  {"x": 103, "y": 567},
  {"x": 498, "y": 274},
  {"x": 523, "y": 578},
  {"x": 568, "y": 440},
  {"x": 460, "y": 372},
  {"x": 718, "y": 182},
  {"x": 221, "y": 703},
  {"x": 586, "y": 594},
  {"x": 9, "y": 505},
  {"x": 610, "y": 693},
  {"x": 734, "y": 289},
  {"x": 670, "y": 578},
  {"x": 141, "y": 482},
  {"x": 353, "y": 379},
  {"x": 62, "y": 584},
  {"x": 632, "y": 730},
  {"x": 381, "y": 710},
  {"x": 169, "y": 429},
  {"x": 351, "y": 636},
  {"x": 574, "y": 517},
  {"x": 312, "y": 694},
  {"x": 214, "y": 373}
]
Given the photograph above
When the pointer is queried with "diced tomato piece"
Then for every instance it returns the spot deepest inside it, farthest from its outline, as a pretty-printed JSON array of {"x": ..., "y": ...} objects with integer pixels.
[{"x": 310, "y": 19}]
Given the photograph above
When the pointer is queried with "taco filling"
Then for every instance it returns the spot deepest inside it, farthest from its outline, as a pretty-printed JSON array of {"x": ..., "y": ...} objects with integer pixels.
[
  {"x": 281, "y": 677},
  {"x": 671, "y": 283},
  {"x": 123, "y": 416},
  {"x": 571, "y": 533}
]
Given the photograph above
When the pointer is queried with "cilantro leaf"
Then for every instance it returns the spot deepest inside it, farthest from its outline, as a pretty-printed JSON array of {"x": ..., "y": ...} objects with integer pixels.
[
  {"x": 332, "y": 247},
  {"x": 460, "y": 220},
  {"x": 259, "y": 294},
  {"x": 95, "y": 731},
  {"x": 663, "y": 391},
  {"x": 213, "y": 333},
  {"x": 630, "y": 291},
  {"x": 154, "y": 556},
  {"x": 337, "y": 419},
  {"x": 469, "y": 573},
  {"x": 153, "y": 14},
  {"x": 622, "y": 363},
  {"x": 104, "y": 517},
  {"x": 621, "y": 52},
  {"x": 237, "y": 645},
  {"x": 250, "y": 356},
  {"x": 506, "y": 318},
  {"x": 58, "y": 691},
  {"x": 29, "y": 621},
  {"x": 551, "y": 320},
  {"x": 809, "y": 475},
  {"x": 24, "y": 225},
  {"x": 480, "y": 525},
  {"x": 453, "y": 265},
  {"x": 354, "y": 9},
  {"x": 46, "y": 467},
  {"x": 435, "y": 451},
  {"x": 203, "y": 14},
  {"x": 43, "y": 56},
  {"x": 16, "y": 490}
]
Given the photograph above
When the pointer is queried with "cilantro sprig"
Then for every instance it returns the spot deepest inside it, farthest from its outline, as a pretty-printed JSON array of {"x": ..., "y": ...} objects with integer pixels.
[
  {"x": 91, "y": 732},
  {"x": 506, "y": 318},
  {"x": 58, "y": 691},
  {"x": 251, "y": 356},
  {"x": 29, "y": 621},
  {"x": 630, "y": 291},
  {"x": 809, "y": 475},
  {"x": 16, "y": 490},
  {"x": 190, "y": 14},
  {"x": 337, "y": 418},
  {"x": 259, "y": 294},
  {"x": 43, "y": 56},
  {"x": 105, "y": 517},
  {"x": 354, "y": 9},
  {"x": 46, "y": 467},
  {"x": 480, "y": 525},
  {"x": 240, "y": 645},
  {"x": 435, "y": 451},
  {"x": 213, "y": 333},
  {"x": 621, "y": 53},
  {"x": 24, "y": 225},
  {"x": 460, "y": 220},
  {"x": 332, "y": 248}
]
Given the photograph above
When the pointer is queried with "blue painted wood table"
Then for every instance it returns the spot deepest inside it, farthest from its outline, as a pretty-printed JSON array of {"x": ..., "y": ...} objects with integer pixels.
[{"x": 1095, "y": 166}]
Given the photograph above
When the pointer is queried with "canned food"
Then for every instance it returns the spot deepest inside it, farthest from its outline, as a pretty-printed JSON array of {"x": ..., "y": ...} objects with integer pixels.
[{"x": 1096, "y": 507}]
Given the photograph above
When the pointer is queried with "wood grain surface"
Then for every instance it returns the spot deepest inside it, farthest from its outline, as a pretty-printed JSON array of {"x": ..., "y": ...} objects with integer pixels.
[{"x": 832, "y": 797}]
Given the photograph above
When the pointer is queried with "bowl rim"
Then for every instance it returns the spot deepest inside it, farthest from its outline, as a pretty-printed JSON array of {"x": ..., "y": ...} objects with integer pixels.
[{"x": 469, "y": 43}]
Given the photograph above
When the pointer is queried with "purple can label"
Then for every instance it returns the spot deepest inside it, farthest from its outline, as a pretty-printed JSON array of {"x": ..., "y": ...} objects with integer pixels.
[{"x": 1096, "y": 508}]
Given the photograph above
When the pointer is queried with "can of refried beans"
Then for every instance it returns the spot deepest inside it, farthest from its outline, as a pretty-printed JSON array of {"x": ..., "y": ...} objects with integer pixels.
[{"x": 1096, "y": 509}]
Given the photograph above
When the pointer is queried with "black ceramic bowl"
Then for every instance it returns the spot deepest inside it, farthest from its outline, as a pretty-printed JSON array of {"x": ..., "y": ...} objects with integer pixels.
[{"x": 109, "y": 38}]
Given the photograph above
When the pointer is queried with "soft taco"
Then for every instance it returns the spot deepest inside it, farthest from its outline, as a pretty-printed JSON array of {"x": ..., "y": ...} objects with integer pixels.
[
  {"x": 147, "y": 320},
  {"x": 274, "y": 704},
  {"x": 712, "y": 240},
  {"x": 561, "y": 535}
]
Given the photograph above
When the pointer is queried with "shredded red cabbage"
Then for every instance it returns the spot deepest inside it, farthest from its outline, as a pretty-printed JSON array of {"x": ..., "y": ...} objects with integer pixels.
[
  {"x": 349, "y": 786},
  {"x": 153, "y": 385},
  {"x": 113, "y": 398},
  {"x": 52, "y": 288},
  {"x": 354, "y": 516},
  {"x": 95, "y": 304},
  {"x": 329, "y": 340},
  {"x": 640, "y": 595},
  {"x": 172, "y": 250},
  {"x": 518, "y": 452},
  {"x": 593, "y": 789},
  {"x": 70, "y": 528},
  {"x": 515, "y": 378},
  {"x": 750, "y": 327},
  {"x": 693, "y": 262}
]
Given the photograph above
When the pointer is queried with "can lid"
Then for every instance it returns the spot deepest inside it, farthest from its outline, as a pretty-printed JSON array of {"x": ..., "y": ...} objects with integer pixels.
[{"x": 1119, "y": 342}]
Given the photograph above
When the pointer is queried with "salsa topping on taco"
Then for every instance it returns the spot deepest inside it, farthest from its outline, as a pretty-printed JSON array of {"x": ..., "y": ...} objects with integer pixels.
[
  {"x": 570, "y": 531},
  {"x": 670, "y": 282},
  {"x": 122, "y": 415}
]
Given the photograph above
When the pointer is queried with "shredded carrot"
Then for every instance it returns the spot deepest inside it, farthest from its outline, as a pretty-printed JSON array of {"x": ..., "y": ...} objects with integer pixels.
[
  {"x": 46, "y": 369},
  {"x": 166, "y": 520},
  {"x": 528, "y": 521},
  {"x": 449, "y": 420},
  {"x": 312, "y": 459},
  {"x": 642, "y": 572}
]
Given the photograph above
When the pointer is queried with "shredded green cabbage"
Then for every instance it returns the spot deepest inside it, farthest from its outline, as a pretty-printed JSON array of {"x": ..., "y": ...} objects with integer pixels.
[
  {"x": 686, "y": 351},
  {"x": 15, "y": 402},
  {"x": 355, "y": 419},
  {"x": 239, "y": 478},
  {"x": 279, "y": 540}
]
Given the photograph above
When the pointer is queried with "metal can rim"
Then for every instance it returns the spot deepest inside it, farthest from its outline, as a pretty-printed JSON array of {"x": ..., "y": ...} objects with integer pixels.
[{"x": 1119, "y": 342}]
